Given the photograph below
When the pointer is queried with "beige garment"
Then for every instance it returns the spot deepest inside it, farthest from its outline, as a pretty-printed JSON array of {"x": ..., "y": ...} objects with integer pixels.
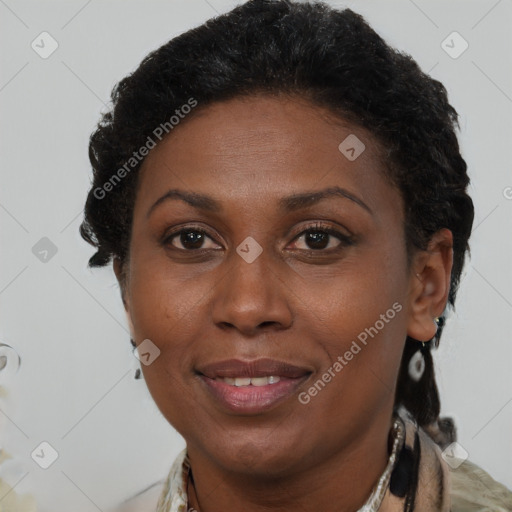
[
  {"x": 10, "y": 500},
  {"x": 473, "y": 490}
]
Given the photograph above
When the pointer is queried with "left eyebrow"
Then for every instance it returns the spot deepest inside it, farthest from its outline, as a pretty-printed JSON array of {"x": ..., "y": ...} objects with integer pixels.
[{"x": 303, "y": 200}]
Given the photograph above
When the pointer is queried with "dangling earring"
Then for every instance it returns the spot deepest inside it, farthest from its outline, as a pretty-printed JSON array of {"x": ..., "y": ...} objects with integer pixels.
[
  {"x": 9, "y": 362},
  {"x": 138, "y": 372},
  {"x": 417, "y": 365}
]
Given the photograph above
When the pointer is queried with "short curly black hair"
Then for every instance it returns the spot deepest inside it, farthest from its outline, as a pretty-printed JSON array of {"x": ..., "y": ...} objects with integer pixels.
[{"x": 332, "y": 58}]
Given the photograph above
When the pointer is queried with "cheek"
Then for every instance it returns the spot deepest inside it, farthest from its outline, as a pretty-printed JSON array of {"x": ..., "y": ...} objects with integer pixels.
[
  {"x": 160, "y": 301},
  {"x": 162, "y": 311},
  {"x": 364, "y": 328},
  {"x": 345, "y": 303},
  {"x": 361, "y": 347},
  {"x": 358, "y": 318}
]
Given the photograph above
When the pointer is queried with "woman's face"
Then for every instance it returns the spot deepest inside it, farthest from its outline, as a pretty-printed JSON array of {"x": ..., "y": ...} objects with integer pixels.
[{"x": 254, "y": 236}]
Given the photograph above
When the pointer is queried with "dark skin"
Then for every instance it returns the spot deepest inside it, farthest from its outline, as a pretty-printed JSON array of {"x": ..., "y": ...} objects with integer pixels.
[{"x": 297, "y": 302}]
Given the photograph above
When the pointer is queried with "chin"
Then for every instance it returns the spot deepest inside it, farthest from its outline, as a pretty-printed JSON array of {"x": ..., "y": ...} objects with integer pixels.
[{"x": 259, "y": 462}]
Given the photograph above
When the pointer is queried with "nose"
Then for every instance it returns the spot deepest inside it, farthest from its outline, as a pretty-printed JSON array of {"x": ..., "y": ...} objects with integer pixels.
[{"x": 252, "y": 297}]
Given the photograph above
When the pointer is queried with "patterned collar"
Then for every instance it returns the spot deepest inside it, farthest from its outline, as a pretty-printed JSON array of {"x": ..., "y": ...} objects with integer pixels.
[{"x": 415, "y": 478}]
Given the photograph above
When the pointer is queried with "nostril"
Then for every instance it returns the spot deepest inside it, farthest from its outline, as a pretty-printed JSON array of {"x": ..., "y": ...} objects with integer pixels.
[{"x": 269, "y": 322}]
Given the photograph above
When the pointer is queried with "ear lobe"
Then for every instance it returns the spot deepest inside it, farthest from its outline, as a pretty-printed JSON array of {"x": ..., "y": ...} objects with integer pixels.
[{"x": 430, "y": 285}]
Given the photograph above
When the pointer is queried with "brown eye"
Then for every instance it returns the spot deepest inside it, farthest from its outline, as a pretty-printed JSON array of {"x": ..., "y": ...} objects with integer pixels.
[
  {"x": 188, "y": 239},
  {"x": 323, "y": 237},
  {"x": 317, "y": 239}
]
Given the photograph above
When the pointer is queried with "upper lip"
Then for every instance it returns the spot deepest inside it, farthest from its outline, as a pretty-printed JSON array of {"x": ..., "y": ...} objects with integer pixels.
[{"x": 263, "y": 367}]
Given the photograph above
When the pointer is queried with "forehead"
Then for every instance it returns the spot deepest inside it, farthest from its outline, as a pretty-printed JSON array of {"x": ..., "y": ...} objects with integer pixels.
[{"x": 261, "y": 147}]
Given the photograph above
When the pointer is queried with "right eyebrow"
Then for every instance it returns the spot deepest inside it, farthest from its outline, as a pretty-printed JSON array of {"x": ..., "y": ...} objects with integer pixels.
[{"x": 198, "y": 201}]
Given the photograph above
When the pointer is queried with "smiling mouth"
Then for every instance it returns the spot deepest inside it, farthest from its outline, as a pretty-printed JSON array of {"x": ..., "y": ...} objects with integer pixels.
[
  {"x": 251, "y": 387},
  {"x": 263, "y": 367},
  {"x": 250, "y": 381},
  {"x": 250, "y": 399}
]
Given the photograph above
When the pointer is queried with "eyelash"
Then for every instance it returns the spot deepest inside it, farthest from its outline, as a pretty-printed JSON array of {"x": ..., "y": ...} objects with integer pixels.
[{"x": 345, "y": 240}]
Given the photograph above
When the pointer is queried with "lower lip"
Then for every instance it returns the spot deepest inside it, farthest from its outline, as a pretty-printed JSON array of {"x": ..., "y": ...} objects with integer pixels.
[{"x": 252, "y": 399}]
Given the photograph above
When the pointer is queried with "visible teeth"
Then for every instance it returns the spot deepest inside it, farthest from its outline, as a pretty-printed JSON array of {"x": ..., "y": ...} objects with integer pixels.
[
  {"x": 246, "y": 381},
  {"x": 242, "y": 382},
  {"x": 260, "y": 381}
]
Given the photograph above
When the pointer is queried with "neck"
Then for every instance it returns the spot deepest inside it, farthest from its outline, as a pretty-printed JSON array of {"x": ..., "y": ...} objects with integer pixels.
[{"x": 341, "y": 482}]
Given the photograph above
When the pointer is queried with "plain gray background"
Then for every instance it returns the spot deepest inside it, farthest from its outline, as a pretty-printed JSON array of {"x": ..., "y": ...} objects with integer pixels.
[{"x": 75, "y": 386}]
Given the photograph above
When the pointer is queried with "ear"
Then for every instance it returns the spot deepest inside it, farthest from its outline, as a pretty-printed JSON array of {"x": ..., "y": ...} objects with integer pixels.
[
  {"x": 119, "y": 271},
  {"x": 430, "y": 285}
]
